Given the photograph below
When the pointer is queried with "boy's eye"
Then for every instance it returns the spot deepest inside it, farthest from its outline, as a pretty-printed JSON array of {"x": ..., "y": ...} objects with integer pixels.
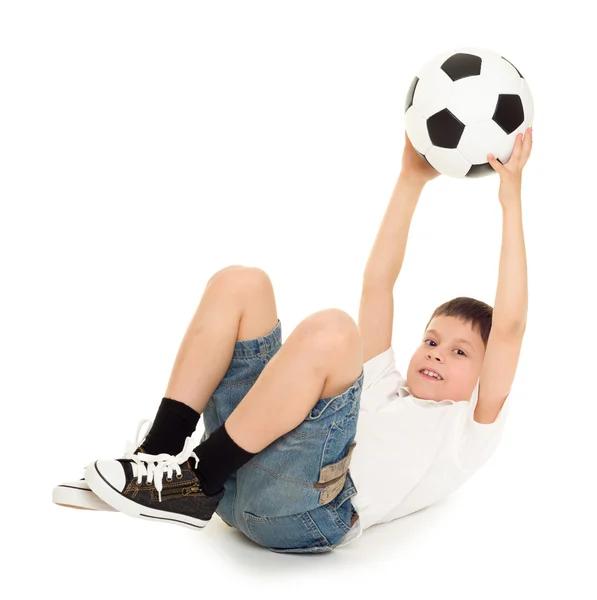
[{"x": 458, "y": 350}]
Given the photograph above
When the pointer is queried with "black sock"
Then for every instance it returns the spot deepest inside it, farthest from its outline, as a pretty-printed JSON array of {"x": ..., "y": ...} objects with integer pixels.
[
  {"x": 173, "y": 423},
  {"x": 219, "y": 456}
]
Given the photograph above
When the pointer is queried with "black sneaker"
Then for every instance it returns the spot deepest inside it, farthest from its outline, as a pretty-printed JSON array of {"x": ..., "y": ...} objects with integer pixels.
[{"x": 160, "y": 487}]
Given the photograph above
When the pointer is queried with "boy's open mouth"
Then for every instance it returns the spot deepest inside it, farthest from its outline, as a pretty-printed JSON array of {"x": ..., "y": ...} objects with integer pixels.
[{"x": 432, "y": 375}]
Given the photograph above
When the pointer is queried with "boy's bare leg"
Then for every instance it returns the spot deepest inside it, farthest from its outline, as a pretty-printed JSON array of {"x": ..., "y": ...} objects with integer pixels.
[
  {"x": 238, "y": 303},
  {"x": 322, "y": 357}
]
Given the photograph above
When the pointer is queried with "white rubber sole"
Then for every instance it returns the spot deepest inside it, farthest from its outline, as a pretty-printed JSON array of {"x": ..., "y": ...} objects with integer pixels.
[
  {"x": 109, "y": 494},
  {"x": 78, "y": 495}
]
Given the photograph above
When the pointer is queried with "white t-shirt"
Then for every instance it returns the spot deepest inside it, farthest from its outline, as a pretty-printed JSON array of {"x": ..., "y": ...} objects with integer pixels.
[{"x": 411, "y": 453}]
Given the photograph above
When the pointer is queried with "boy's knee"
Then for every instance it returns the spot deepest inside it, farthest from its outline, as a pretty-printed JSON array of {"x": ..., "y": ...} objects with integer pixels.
[
  {"x": 226, "y": 270},
  {"x": 334, "y": 326},
  {"x": 241, "y": 276}
]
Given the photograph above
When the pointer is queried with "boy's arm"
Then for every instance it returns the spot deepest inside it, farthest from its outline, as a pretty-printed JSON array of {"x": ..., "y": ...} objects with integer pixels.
[
  {"x": 511, "y": 301},
  {"x": 376, "y": 311}
]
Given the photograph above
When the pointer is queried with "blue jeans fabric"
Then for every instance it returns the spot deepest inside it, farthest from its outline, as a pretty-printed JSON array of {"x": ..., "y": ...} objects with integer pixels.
[{"x": 293, "y": 496}]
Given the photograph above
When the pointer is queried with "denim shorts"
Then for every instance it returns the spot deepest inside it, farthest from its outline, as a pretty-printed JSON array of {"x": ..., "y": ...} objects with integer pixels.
[{"x": 294, "y": 495}]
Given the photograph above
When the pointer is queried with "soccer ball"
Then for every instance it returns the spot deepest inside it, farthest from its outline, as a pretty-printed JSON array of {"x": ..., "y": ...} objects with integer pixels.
[{"x": 463, "y": 105}]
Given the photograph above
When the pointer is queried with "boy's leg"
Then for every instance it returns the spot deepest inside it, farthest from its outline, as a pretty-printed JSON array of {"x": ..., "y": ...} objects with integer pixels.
[
  {"x": 317, "y": 361},
  {"x": 238, "y": 303},
  {"x": 321, "y": 358}
]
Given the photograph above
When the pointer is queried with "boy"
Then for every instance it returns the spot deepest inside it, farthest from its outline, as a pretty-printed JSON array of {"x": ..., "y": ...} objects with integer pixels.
[{"x": 281, "y": 420}]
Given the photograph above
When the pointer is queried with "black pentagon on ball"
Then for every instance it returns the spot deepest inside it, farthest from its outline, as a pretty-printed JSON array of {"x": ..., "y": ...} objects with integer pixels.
[
  {"x": 462, "y": 65},
  {"x": 514, "y": 67},
  {"x": 410, "y": 94},
  {"x": 509, "y": 112},
  {"x": 444, "y": 129},
  {"x": 481, "y": 170}
]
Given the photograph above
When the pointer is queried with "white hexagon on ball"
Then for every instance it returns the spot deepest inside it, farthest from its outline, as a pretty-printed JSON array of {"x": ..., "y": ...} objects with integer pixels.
[
  {"x": 448, "y": 161},
  {"x": 480, "y": 139},
  {"x": 432, "y": 92}
]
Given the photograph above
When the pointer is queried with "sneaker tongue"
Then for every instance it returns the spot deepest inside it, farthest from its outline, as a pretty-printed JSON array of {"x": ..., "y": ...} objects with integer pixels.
[{"x": 131, "y": 468}]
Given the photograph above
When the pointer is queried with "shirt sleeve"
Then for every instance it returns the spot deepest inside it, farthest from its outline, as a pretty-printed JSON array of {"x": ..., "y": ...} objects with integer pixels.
[
  {"x": 378, "y": 367},
  {"x": 478, "y": 441}
]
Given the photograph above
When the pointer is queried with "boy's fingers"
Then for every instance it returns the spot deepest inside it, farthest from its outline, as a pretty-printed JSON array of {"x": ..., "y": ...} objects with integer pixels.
[
  {"x": 516, "y": 152},
  {"x": 496, "y": 164},
  {"x": 528, "y": 141}
]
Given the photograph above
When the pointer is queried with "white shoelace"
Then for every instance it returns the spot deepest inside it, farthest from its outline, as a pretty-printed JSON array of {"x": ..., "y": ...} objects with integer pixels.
[{"x": 155, "y": 466}]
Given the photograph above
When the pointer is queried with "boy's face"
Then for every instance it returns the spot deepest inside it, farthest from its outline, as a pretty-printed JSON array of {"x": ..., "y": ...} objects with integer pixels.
[{"x": 458, "y": 363}]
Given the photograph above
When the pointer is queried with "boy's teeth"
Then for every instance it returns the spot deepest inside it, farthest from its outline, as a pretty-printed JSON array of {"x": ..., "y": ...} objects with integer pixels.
[{"x": 431, "y": 374}]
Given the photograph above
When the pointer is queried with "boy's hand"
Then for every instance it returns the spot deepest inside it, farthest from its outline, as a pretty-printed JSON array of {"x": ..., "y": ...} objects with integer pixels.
[
  {"x": 511, "y": 172},
  {"x": 414, "y": 167}
]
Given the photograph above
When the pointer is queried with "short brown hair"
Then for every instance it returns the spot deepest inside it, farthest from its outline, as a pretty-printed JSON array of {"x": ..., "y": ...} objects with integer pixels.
[{"x": 468, "y": 310}]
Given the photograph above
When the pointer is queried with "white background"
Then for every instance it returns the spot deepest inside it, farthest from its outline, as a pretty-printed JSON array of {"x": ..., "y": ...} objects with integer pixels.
[{"x": 146, "y": 145}]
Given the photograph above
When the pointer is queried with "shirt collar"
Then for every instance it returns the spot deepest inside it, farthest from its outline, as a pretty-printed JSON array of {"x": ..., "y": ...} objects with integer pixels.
[{"x": 404, "y": 392}]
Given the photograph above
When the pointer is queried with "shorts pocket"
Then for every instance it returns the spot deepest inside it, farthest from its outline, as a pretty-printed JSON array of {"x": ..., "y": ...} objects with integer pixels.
[
  {"x": 290, "y": 533},
  {"x": 332, "y": 477}
]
